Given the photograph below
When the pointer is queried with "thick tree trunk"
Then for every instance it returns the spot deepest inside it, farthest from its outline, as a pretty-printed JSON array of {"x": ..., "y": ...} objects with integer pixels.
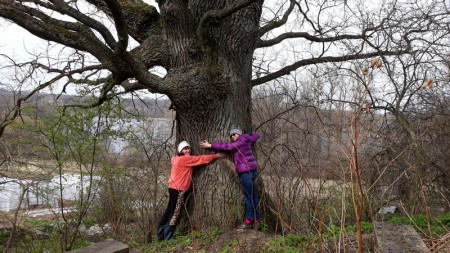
[{"x": 217, "y": 195}]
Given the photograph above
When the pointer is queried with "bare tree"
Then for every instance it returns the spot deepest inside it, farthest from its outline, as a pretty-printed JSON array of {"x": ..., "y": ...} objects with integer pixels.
[
  {"x": 407, "y": 94},
  {"x": 207, "y": 50}
]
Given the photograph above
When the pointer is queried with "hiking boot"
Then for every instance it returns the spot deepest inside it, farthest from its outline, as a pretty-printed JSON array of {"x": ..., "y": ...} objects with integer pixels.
[
  {"x": 244, "y": 225},
  {"x": 160, "y": 233},
  {"x": 169, "y": 232}
]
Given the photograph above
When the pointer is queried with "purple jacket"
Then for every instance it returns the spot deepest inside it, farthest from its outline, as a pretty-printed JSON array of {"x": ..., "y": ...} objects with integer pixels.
[{"x": 241, "y": 151}]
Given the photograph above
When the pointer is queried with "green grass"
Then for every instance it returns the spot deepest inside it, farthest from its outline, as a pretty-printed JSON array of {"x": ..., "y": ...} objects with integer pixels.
[
  {"x": 288, "y": 243},
  {"x": 334, "y": 231},
  {"x": 438, "y": 225},
  {"x": 181, "y": 242}
]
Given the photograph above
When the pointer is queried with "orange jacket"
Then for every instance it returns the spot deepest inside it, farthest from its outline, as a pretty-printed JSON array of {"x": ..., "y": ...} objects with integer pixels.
[{"x": 181, "y": 173}]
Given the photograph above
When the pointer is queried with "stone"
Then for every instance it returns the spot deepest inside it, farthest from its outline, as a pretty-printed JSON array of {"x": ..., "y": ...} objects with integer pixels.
[
  {"x": 392, "y": 238},
  {"x": 106, "y": 246},
  {"x": 387, "y": 209}
]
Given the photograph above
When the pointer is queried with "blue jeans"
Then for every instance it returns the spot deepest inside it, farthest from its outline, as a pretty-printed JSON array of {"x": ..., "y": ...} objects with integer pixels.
[{"x": 248, "y": 182}]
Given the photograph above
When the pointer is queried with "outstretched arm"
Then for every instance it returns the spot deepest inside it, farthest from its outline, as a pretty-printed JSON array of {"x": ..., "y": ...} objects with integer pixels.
[
  {"x": 219, "y": 146},
  {"x": 205, "y": 144},
  {"x": 200, "y": 159},
  {"x": 253, "y": 137}
]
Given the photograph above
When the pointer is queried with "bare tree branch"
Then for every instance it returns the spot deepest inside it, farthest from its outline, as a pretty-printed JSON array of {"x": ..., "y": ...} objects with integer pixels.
[
  {"x": 66, "y": 33},
  {"x": 142, "y": 19},
  {"x": 277, "y": 23},
  {"x": 122, "y": 32},
  {"x": 288, "y": 69},
  {"x": 214, "y": 16},
  {"x": 304, "y": 35}
]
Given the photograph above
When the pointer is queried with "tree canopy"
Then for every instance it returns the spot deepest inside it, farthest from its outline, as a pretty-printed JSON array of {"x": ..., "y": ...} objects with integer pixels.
[{"x": 175, "y": 33}]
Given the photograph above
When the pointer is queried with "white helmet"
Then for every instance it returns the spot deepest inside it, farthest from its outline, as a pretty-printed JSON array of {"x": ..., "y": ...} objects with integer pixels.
[{"x": 182, "y": 145}]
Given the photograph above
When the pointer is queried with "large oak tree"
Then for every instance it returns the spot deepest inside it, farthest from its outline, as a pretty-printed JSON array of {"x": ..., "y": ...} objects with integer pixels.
[{"x": 213, "y": 53}]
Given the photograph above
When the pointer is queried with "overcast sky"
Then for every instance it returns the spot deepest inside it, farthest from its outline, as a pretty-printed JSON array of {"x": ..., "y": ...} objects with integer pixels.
[{"x": 14, "y": 40}]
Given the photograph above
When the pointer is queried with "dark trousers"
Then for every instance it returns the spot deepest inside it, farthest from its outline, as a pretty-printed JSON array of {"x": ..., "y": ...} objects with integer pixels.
[
  {"x": 248, "y": 182},
  {"x": 166, "y": 225}
]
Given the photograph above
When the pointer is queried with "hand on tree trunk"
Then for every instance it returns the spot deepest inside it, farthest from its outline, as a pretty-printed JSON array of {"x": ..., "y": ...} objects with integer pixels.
[{"x": 205, "y": 144}]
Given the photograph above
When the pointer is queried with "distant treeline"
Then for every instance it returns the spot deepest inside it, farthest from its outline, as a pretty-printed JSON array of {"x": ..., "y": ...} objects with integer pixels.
[{"x": 144, "y": 106}]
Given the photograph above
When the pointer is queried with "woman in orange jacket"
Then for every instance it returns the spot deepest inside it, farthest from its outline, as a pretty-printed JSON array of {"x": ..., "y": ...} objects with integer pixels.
[{"x": 180, "y": 181}]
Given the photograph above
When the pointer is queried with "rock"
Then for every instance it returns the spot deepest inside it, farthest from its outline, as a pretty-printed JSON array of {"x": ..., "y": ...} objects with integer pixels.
[
  {"x": 106, "y": 246},
  {"x": 387, "y": 209},
  {"x": 398, "y": 238}
]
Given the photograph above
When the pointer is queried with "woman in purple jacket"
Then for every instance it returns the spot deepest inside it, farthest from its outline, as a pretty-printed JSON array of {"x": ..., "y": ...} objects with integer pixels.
[{"x": 246, "y": 165}]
